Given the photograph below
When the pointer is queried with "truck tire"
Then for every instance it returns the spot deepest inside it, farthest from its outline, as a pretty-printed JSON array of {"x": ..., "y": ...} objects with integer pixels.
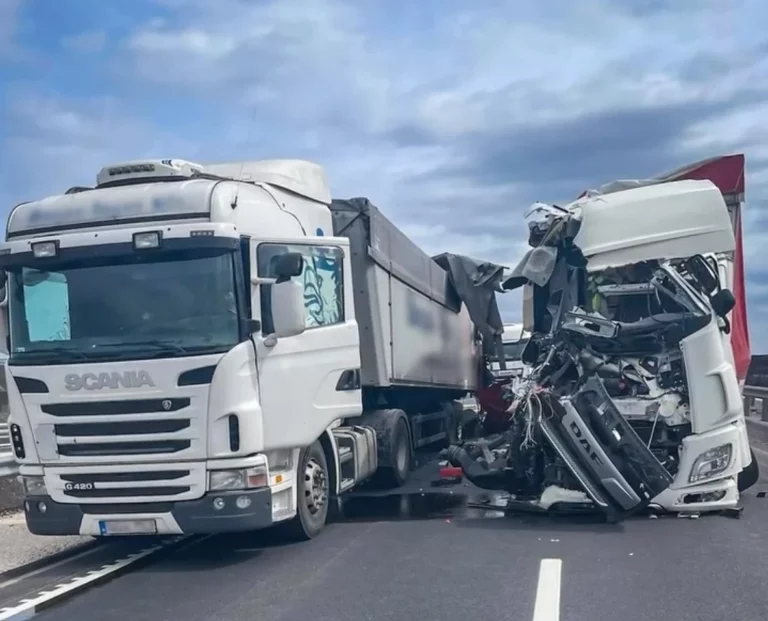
[
  {"x": 749, "y": 476},
  {"x": 312, "y": 495},
  {"x": 394, "y": 472},
  {"x": 394, "y": 446}
]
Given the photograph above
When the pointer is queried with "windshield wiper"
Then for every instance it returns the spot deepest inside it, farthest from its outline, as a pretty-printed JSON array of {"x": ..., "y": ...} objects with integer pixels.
[
  {"x": 75, "y": 352},
  {"x": 155, "y": 343}
]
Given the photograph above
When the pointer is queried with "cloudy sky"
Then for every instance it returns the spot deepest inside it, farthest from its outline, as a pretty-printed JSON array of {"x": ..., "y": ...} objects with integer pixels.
[{"x": 453, "y": 116}]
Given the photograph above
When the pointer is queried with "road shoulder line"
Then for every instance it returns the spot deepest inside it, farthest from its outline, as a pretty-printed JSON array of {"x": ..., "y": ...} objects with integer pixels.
[{"x": 27, "y": 608}]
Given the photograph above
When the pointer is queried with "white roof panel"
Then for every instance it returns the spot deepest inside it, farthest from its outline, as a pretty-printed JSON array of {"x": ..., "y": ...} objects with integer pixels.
[
  {"x": 298, "y": 176},
  {"x": 130, "y": 202},
  {"x": 665, "y": 221}
]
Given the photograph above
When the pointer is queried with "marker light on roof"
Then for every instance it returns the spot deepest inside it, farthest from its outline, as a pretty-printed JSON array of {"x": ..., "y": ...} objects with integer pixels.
[
  {"x": 45, "y": 250},
  {"x": 146, "y": 241}
]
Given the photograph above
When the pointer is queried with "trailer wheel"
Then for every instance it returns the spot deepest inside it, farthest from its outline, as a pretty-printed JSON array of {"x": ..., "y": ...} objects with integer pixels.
[
  {"x": 749, "y": 476},
  {"x": 312, "y": 494},
  {"x": 400, "y": 452},
  {"x": 394, "y": 449}
]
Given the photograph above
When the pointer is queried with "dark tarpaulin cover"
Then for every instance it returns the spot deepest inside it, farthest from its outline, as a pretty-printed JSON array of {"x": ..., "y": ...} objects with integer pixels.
[{"x": 476, "y": 283}]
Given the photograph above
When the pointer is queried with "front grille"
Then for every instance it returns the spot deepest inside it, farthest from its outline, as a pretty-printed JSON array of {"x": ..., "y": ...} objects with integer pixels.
[
  {"x": 116, "y": 486},
  {"x": 106, "y": 449},
  {"x": 130, "y": 428},
  {"x": 126, "y": 428},
  {"x": 125, "y": 477},
  {"x": 101, "y": 408},
  {"x": 128, "y": 492}
]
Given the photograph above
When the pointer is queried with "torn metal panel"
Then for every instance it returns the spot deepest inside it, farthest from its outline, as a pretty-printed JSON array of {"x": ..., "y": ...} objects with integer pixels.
[{"x": 476, "y": 283}]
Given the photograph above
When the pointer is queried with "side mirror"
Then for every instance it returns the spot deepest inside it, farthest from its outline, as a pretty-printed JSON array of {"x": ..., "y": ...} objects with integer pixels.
[
  {"x": 288, "y": 265},
  {"x": 723, "y": 302},
  {"x": 287, "y": 306}
]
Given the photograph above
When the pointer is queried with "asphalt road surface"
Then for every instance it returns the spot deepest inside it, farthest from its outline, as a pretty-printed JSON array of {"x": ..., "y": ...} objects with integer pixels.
[{"x": 420, "y": 559}]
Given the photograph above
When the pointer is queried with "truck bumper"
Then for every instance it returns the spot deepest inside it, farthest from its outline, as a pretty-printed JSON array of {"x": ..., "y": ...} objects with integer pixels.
[
  {"x": 715, "y": 495},
  {"x": 712, "y": 496},
  {"x": 46, "y": 517}
]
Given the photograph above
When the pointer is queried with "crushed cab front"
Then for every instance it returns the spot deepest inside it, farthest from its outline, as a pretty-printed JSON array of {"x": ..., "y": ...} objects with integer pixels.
[{"x": 610, "y": 461}]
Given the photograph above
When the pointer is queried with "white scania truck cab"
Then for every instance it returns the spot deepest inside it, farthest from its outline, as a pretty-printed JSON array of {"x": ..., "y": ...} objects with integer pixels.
[{"x": 205, "y": 349}]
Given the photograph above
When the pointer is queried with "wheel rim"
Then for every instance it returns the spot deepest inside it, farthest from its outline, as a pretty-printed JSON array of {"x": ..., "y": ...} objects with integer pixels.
[
  {"x": 315, "y": 487},
  {"x": 402, "y": 456}
]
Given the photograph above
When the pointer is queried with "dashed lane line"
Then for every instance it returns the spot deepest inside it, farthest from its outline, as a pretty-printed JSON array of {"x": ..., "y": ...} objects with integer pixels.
[{"x": 547, "y": 607}]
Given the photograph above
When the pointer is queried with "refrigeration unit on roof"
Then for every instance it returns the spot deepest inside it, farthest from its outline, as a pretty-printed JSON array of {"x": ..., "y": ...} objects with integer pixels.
[{"x": 118, "y": 174}]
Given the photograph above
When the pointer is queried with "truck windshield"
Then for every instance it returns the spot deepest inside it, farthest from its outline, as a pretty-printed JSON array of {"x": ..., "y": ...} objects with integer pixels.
[{"x": 133, "y": 306}]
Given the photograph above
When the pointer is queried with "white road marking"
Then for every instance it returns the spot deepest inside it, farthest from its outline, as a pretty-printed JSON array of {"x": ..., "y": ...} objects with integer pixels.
[
  {"x": 27, "y": 608},
  {"x": 40, "y": 570},
  {"x": 547, "y": 607}
]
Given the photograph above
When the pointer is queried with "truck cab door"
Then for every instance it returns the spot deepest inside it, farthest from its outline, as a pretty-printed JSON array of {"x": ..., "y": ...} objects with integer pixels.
[
  {"x": 713, "y": 387},
  {"x": 310, "y": 380}
]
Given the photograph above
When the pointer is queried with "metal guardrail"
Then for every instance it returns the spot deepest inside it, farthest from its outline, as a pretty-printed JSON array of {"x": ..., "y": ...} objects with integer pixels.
[{"x": 751, "y": 394}]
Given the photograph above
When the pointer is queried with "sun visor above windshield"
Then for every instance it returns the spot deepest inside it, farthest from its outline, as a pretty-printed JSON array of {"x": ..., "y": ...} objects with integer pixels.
[
  {"x": 100, "y": 207},
  {"x": 655, "y": 222}
]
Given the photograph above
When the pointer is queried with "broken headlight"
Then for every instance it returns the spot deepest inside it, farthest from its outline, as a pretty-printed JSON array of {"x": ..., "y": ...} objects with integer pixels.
[{"x": 711, "y": 463}]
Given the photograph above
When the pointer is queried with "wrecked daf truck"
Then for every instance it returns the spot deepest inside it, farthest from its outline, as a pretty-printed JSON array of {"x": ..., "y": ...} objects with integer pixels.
[{"x": 633, "y": 399}]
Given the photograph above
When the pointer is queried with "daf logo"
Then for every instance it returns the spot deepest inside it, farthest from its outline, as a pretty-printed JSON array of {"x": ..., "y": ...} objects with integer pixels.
[
  {"x": 97, "y": 381},
  {"x": 167, "y": 404},
  {"x": 585, "y": 444}
]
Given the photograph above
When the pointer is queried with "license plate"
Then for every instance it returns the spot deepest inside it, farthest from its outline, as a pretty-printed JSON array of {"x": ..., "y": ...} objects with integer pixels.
[{"x": 128, "y": 527}]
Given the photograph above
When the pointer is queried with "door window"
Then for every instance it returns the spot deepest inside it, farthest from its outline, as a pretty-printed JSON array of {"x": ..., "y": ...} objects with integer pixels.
[{"x": 322, "y": 278}]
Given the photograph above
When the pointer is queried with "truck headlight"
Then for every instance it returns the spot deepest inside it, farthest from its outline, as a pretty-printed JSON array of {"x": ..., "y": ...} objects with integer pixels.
[
  {"x": 711, "y": 463},
  {"x": 247, "y": 478},
  {"x": 34, "y": 486}
]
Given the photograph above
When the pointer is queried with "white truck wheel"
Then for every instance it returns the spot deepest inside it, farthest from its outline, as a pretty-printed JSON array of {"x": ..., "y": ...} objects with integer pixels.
[{"x": 312, "y": 494}]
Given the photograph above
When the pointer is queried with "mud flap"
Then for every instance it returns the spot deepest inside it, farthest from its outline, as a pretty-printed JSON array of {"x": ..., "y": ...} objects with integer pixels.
[{"x": 613, "y": 465}]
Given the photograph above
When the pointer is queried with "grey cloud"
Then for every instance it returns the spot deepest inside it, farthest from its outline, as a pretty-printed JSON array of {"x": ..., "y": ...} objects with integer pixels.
[{"x": 566, "y": 155}]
